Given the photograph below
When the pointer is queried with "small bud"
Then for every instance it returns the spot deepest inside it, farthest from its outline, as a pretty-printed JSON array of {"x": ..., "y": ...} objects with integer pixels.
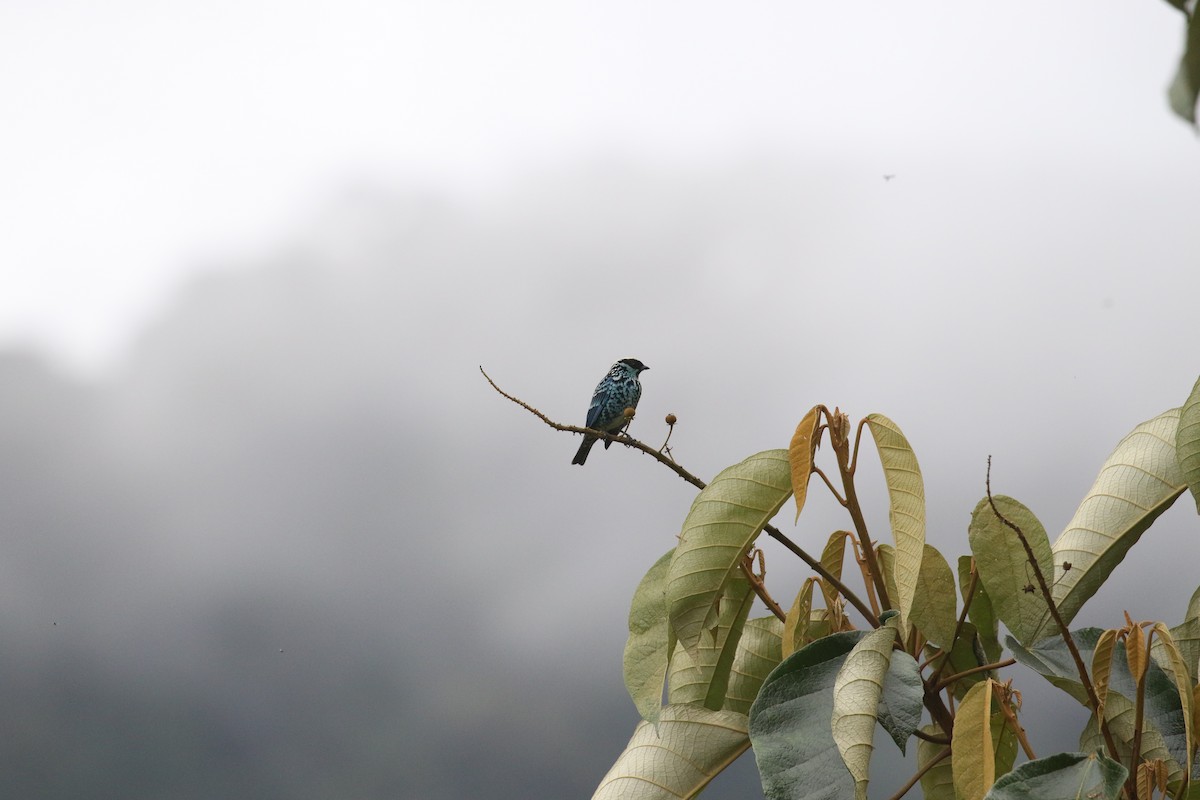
[
  {"x": 671, "y": 420},
  {"x": 629, "y": 412},
  {"x": 1066, "y": 566}
]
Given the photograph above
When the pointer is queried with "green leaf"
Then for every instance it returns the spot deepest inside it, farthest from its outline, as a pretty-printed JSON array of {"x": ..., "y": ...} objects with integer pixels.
[
  {"x": 723, "y": 522},
  {"x": 1066, "y": 776},
  {"x": 1193, "y": 609},
  {"x": 832, "y": 558},
  {"x": 906, "y": 490},
  {"x": 1187, "y": 439},
  {"x": 1003, "y": 565},
  {"x": 857, "y": 690},
  {"x": 702, "y": 676},
  {"x": 981, "y": 612},
  {"x": 1164, "y": 711},
  {"x": 937, "y": 613},
  {"x": 1185, "y": 88},
  {"x": 790, "y": 724},
  {"x": 1173, "y": 665},
  {"x": 1187, "y": 639},
  {"x": 900, "y": 704},
  {"x": 937, "y": 783},
  {"x": 1138, "y": 482},
  {"x": 966, "y": 655},
  {"x": 974, "y": 753},
  {"x": 795, "y": 627},
  {"x": 1102, "y": 658},
  {"x": 886, "y": 555},
  {"x": 691, "y": 746},
  {"x": 1121, "y": 715},
  {"x": 647, "y": 649},
  {"x": 759, "y": 652},
  {"x": 1004, "y": 744}
]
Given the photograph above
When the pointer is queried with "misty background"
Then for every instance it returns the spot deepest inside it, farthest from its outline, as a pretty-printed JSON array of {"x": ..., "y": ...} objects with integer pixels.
[{"x": 265, "y": 530}]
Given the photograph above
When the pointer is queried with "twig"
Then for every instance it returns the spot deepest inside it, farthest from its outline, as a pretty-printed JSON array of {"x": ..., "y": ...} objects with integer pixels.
[
  {"x": 619, "y": 438},
  {"x": 759, "y": 586},
  {"x": 672, "y": 465},
  {"x": 1084, "y": 679},
  {"x": 921, "y": 773},
  {"x": 942, "y": 684}
]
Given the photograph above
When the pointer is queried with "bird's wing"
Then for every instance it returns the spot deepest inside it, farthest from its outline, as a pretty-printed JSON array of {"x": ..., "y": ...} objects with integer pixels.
[{"x": 593, "y": 416}]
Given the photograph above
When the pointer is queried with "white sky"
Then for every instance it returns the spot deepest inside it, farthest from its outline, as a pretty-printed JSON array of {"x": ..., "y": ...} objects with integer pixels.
[{"x": 141, "y": 141}]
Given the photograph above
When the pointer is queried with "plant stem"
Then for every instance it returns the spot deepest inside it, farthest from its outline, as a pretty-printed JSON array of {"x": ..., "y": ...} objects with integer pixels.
[{"x": 1068, "y": 639}]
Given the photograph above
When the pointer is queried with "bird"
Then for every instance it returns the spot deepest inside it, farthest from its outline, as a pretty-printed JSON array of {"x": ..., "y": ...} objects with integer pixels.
[
  {"x": 620, "y": 389},
  {"x": 888, "y": 177}
]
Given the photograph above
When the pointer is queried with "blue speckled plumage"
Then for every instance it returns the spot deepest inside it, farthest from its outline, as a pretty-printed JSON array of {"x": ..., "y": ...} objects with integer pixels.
[{"x": 619, "y": 390}]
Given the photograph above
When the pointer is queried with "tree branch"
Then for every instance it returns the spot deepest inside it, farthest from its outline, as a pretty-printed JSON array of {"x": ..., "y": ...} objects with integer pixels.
[{"x": 671, "y": 464}]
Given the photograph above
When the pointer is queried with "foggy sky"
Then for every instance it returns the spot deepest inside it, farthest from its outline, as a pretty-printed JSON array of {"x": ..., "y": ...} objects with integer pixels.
[
  {"x": 280, "y": 539},
  {"x": 295, "y": 546}
]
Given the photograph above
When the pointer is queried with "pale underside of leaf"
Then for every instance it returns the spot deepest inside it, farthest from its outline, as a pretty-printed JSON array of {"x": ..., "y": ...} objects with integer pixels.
[
  {"x": 759, "y": 651},
  {"x": 692, "y": 745},
  {"x": 647, "y": 648},
  {"x": 1138, "y": 482},
  {"x": 856, "y": 693},
  {"x": 723, "y": 522},
  {"x": 1187, "y": 443},
  {"x": 906, "y": 492}
]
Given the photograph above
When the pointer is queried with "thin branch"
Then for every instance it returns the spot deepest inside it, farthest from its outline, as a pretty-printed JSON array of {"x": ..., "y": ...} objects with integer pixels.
[
  {"x": 759, "y": 587},
  {"x": 1084, "y": 679},
  {"x": 672, "y": 465},
  {"x": 1006, "y": 708},
  {"x": 619, "y": 438},
  {"x": 942, "y": 684},
  {"x": 921, "y": 773},
  {"x": 931, "y": 737},
  {"x": 819, "y": 568},
  {"x": 962, "y": 619}
]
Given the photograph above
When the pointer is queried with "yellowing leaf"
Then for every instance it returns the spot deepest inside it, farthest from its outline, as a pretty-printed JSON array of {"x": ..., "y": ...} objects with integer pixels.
[
  {"x": 795, "y": 627},
  {"x": 974, "y": 753},
  {"x": 1177, "y": 669},
  {"x": 1102, "y": 666},
  {"x": 800, "y": 455},
  {"x": 832, "y": 558}
]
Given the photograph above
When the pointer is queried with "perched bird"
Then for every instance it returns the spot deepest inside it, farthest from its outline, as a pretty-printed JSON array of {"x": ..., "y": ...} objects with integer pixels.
[{"x": 619, "y": 390}]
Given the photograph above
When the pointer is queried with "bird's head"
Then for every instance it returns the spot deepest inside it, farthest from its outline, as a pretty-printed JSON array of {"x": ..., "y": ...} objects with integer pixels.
[{"x": 635, "y": 365}]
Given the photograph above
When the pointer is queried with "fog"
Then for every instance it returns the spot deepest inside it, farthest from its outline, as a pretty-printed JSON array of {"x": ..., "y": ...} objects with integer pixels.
[
  {"x": 295, "y": 546},
  {"x": 279, "y": 538}
]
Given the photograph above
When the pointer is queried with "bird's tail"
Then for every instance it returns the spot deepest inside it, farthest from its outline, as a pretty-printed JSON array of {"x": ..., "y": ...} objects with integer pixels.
[{"x": 585, "y": 448}]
